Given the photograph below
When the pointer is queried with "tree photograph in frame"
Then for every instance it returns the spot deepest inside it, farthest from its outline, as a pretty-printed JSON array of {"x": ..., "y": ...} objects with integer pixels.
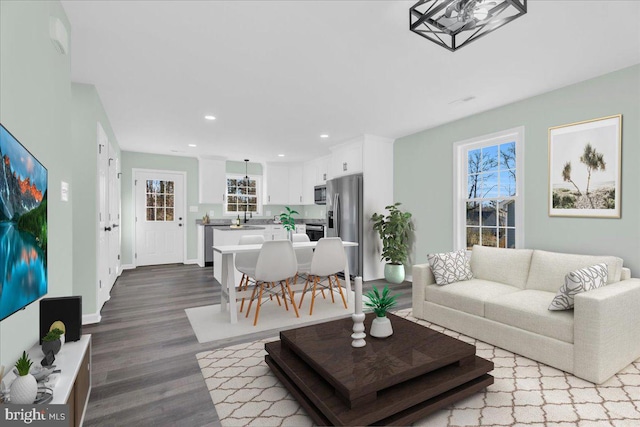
[{"x": 584, "y": 168}]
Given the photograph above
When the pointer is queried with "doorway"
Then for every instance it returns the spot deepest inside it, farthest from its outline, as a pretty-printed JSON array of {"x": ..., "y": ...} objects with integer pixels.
[{"x": 159, "y": 217}]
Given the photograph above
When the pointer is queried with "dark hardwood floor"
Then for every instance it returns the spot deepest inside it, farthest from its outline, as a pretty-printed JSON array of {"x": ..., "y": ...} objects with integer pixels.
[{"x": 144, "y": 367}]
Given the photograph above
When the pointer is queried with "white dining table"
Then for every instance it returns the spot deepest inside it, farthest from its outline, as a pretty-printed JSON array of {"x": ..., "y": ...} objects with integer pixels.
[{"x": 228, "y": 294}]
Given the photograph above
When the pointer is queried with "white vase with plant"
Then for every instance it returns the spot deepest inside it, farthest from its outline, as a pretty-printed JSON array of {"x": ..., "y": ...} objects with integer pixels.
[
  {"x": 380, "y": 303},
  {"x": 289, "y": 224},
  {"x": 24, "y": 388},
  {"x": 395, "y": 231}
]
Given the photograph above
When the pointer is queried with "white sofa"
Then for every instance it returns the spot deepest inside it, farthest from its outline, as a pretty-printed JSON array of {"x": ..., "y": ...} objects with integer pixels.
[{"x": 506, "y": 304}]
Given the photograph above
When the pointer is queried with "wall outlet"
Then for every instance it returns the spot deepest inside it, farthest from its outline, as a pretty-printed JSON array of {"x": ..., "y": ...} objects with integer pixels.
[
  {"x": 321, "y": 213},
  {"x": 193, "y": 209},
  {"x": 268, "y": 213},
  {"x": 211, "y": 214},
  {"x": 306, "y": 213}
]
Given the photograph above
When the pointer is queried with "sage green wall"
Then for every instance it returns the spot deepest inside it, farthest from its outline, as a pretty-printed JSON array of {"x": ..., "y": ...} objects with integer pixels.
[
  {"x": 35, "y": 99},
  {"x": 86, "y": 112},
  {"x": 424, "y": 177}
]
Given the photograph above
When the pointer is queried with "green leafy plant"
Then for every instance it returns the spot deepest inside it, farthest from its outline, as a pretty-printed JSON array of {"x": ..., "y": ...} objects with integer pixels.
[
  {"x": 380, "y": 302},
  {"x": 395, "y": 231},
  {"x": 52, "y": 335},
  {"x": 23, "y": 365},
  {"x": 286, "y": 218}
]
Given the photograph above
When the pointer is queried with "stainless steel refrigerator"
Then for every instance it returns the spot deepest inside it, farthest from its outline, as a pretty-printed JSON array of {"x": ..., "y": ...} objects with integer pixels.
[{"x": 344, "y": 216}]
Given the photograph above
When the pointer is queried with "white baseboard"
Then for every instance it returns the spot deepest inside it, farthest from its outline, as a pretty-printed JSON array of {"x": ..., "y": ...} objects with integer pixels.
[
  {"x": 128, "y": 267},
  {"x": 191, "y": 261},
  {"x": 88, "y": 319}
]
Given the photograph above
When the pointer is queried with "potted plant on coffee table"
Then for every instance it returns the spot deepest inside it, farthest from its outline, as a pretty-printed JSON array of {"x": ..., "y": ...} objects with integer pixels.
[
  {"x": 395, "y": 231},
  {"x": 380, "y": 303}
]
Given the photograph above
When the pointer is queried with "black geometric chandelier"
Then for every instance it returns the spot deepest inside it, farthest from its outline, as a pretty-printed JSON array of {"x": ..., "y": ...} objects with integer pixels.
[{"x": 456, "y": 23}]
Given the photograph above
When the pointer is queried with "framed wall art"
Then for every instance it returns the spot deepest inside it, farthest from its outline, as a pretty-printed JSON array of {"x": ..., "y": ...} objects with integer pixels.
[{"x": 585, "y": 168}]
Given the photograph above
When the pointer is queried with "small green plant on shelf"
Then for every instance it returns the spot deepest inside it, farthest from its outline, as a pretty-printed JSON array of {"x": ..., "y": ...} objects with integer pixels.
[
  {"x": 286, "y": 218},
  {"x": 23, "y": 365},
  {"x": 52, "y": 335},
  {"x": 380, "y": 302}
]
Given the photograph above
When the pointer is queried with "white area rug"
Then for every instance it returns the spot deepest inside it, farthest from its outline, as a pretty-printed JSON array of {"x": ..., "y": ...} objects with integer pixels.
[
  {"x": 209, "y": 324},
  {"x": 525, "y": 392}
]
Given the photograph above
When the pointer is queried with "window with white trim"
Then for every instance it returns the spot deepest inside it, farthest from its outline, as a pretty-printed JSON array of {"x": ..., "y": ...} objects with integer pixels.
[
  {"x": 488, "y": 191},
  {"x": 242, "y": 195}
]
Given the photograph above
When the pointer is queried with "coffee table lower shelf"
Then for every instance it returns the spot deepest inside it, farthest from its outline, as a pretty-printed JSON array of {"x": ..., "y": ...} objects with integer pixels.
[{"x": 437, "y": 390}]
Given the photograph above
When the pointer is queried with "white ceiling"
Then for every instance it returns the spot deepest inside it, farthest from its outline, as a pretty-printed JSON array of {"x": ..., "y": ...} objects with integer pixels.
[{"x": 277, "y": 74}]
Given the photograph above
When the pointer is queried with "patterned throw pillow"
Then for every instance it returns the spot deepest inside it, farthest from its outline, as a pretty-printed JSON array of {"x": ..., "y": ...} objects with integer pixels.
[
  {"x": 578, "y": 281},
  {"x": 450, "y": 267}
]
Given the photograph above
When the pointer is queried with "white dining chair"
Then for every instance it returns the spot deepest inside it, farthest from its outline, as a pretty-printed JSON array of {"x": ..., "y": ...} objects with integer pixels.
[
  {"x": 276, "y": 265},
  {"x": 329, "y": 259},
  {"x": 303, "y": 255},
  {"x": 245, "y": 263}
]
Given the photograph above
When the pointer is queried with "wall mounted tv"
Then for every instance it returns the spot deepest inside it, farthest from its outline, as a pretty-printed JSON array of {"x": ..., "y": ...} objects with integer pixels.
[{"x": 23, "y": 226}]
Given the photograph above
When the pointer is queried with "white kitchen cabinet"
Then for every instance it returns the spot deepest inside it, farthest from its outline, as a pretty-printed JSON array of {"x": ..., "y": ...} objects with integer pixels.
[
  {"x": 309, "y": 175},
  {"x": 295, "y": 184},
  {"x": 275, "y": 232},
  {"x": 276, "y": 188},
  {"x": 346, "y": 159},
  {"x": 212, "y": 180},
  {"x": 322, "y": 170},
  {"x": 301, "y": 228}
]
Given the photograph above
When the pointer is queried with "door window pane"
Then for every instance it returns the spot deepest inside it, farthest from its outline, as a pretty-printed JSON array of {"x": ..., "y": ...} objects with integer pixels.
[{"x": 159, "y": 194}]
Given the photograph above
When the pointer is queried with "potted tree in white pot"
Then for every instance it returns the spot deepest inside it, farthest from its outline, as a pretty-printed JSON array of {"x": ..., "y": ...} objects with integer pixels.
[{"x": 395, "y": 232}]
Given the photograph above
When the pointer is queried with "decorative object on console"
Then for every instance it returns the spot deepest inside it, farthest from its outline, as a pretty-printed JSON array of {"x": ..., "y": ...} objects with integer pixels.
[
  {"x": 450, "y": 267},
  {"x": 380, "y": 303},
  {"x": 66, "y": 310},
  {"x": 395, "y": 231},
  {"x": 289, "y": 224},
  {"x": 58, "y": 325},
  {"x": 456, "y": 23},
  {"x": 51, "y": 342},
  {"x": 578, "y": 281},
  {"x": 24, "y": 388},
  {"x": 585, "y": 168}
]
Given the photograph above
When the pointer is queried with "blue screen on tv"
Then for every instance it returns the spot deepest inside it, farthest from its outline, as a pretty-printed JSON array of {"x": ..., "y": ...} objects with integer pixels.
[{"x": 23, "y": 226}]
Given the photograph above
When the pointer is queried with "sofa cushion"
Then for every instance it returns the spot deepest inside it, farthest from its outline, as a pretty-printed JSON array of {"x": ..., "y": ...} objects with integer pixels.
[
  {"x": 450, "y": 267},
  {"x": 548, "y": 269},
  {"x": 508, "y": 266},
  {"x": 528, "y": 310},
  {"x": 467, "y": 296},
  {"x": 578, "y": 281}
]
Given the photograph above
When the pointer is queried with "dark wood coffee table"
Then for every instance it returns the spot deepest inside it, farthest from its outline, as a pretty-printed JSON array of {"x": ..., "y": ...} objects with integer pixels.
[{"x": 390, "y": 381}]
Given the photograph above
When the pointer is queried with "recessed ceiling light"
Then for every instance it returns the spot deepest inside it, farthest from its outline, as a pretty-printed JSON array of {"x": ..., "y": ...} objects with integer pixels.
[
  {"x": 324, "y": 135},
  {"x": 280, "y": 155},
  {"x": 209, "y": 117},
  {"x": 192, "y": 145}
]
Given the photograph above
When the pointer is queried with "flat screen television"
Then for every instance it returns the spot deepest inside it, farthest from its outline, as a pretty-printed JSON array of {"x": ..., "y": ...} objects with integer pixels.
[{"x": 23, "y": 226}]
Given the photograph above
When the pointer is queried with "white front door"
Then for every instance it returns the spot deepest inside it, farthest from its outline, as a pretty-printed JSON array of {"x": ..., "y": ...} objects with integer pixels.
[
  {"x": 103, "y": 283},
  {"x": 160, "y": 225}
]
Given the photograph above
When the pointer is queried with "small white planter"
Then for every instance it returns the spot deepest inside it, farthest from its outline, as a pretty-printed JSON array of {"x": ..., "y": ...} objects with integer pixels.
[
  {"x": 381, "y": 327},
  {"x": 24, "y": 390}
]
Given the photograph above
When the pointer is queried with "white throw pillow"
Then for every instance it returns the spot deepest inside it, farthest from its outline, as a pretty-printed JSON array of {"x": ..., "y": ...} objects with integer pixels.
[
  {"x": 582, "y": 280},
  {"x": 450, "y": 267}
]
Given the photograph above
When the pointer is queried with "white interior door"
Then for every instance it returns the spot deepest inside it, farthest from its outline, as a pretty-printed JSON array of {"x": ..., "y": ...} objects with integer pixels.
[
  {"x": 160, "y": 229},
  {"x": 103, "y": 284},
  {"x": 114, "y": 217}
]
